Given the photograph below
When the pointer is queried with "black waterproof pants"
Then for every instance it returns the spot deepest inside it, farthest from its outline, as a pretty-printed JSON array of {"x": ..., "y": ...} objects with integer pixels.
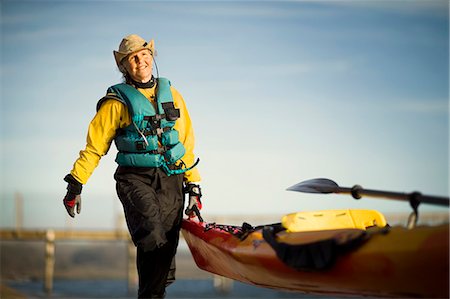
[{"x": 153, "y": 205}]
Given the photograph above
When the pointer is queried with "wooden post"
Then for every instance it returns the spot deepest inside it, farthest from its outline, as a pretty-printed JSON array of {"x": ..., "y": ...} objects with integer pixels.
[
  {"x": 49, "y": 260},
  {"x": 222, "y": 284},
  {"x": 132, "y": 271},
  {"x": 18, "y": 198}
]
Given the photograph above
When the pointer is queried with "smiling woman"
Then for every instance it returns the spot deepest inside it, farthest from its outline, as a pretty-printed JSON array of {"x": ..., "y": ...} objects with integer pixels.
[{"x": 151, "y": 127}]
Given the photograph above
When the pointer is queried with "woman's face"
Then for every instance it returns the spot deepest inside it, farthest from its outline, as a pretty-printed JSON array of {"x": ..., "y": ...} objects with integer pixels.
[{"x": 139, "y": 65}]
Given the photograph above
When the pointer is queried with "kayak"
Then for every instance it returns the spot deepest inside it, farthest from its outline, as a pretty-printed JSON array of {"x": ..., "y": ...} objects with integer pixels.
[{"x": 348, "y": 258}]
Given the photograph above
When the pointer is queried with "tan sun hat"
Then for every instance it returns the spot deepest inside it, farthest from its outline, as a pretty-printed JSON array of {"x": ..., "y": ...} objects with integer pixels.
[{"x": 131, "y": 44}]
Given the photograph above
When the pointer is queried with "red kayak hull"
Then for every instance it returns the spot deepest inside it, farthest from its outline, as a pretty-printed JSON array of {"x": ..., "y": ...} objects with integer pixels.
[{"x": 400, "y": 263}]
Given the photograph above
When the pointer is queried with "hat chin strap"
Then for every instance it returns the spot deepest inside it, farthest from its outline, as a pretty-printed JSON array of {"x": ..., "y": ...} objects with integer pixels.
[{"x": 156, "y": 66}]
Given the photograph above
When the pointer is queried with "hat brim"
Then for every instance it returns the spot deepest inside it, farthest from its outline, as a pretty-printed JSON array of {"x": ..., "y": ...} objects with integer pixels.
[{"x": 119, "y": 56}]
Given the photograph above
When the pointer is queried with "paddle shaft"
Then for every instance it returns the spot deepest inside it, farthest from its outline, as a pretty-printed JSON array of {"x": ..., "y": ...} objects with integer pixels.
[{"x": 357, "y": 192}]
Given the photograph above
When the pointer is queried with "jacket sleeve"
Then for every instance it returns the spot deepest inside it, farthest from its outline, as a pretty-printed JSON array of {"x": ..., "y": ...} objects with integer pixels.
[
  {"x": 102, "y": 129},
  {"x": 186, "y": 135}
]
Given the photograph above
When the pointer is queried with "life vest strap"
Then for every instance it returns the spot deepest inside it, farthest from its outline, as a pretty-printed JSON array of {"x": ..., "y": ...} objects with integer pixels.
[
  {"x": 140, "y": 145},
  {"x": 157, "y": 131},
  {"x": 170, "y": 172},
  {"x": 171, "y": 114}
]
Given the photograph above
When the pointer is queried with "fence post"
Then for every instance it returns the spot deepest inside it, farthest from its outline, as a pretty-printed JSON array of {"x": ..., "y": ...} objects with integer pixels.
[
  {"x": 223, "y": 284},
  {"x": 49, "y": 260},
  {"x": 18, "y": 198}
]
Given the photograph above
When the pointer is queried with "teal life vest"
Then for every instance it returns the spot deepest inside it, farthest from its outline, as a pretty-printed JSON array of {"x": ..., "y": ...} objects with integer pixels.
[{"x": 150, "y": 140}]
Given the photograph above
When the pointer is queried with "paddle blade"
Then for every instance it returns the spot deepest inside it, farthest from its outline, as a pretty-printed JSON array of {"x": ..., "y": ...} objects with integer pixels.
[{"x": 315, "y": 186}]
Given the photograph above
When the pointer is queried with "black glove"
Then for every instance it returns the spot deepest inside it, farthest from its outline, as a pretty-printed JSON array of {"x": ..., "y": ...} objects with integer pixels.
[
  {"x": 195, "y": 204},
  {"x": 72, "y": 197}
]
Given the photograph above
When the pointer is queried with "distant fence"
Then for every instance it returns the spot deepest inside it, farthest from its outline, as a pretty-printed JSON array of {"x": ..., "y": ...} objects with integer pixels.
[{"x": 50, "y": 236}]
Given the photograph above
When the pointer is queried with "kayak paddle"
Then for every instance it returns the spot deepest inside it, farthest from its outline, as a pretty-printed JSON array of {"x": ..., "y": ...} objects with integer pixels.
[{"x": 326, "y": 186}]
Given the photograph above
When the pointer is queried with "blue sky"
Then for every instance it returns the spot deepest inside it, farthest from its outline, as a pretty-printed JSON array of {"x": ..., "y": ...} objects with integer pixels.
[{"x": 279, "y": 92}]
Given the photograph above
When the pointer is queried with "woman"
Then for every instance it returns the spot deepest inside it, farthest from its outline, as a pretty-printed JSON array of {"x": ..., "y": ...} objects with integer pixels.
[{"x": 150, "y": 124}]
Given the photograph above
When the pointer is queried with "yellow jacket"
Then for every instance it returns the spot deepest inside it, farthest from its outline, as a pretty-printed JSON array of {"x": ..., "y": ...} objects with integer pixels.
[{"x": 113, "y": 115}]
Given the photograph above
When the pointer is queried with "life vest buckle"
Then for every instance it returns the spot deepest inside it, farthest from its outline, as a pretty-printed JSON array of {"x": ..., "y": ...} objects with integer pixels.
[
  {"x": 140, "y": 145},
  {"x": 161, "y": 149},
  {"x": 155, "y": 119},
  {"x": 159, "y": 131}
]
